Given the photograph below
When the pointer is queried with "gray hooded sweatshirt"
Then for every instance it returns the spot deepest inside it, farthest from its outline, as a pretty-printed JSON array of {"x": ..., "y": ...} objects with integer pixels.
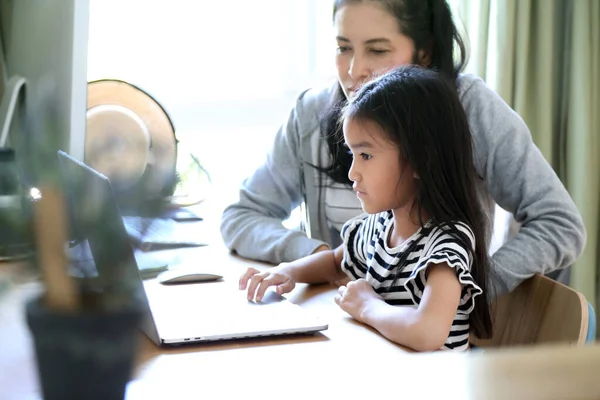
[{"x": 515, "y": 176}]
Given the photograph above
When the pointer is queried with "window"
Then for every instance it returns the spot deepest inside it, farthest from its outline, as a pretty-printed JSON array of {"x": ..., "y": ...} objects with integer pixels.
[{"x": 226, "y": 71}]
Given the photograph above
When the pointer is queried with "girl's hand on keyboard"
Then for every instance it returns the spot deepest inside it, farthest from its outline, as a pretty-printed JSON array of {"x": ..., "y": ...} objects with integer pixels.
[{"x": 257, "y": 282}]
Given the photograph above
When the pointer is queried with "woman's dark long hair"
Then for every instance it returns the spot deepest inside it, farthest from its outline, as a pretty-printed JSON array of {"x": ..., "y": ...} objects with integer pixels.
[
  {"x": 420, "y": 112},
  {"x": 429, "y": 24}
]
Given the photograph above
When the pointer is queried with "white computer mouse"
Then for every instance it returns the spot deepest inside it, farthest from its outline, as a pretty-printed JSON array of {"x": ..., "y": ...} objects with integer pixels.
[{"x": 187, "y": 275}]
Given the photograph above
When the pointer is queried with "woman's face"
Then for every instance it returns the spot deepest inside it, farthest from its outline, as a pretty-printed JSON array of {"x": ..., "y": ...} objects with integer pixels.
[{"x": 369, "y": 43}]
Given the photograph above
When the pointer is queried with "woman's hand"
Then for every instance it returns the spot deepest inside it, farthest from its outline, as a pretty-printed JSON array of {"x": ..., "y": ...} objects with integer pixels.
[
  {"x": 258, "y": 282},
  {"x": 355, "y": 296}
]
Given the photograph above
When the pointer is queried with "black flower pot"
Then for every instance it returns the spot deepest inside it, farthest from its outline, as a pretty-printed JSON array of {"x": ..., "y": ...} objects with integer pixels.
[{"x": 85, "y": 355}]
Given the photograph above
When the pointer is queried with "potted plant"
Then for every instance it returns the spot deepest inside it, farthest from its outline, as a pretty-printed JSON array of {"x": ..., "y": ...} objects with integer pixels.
[{"x": 84, "y": 326}]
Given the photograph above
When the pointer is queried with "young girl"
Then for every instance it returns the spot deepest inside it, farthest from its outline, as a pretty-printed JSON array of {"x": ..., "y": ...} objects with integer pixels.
[
  {"x": 374, "y": 36},
  {"x": 418, "y": 260}
]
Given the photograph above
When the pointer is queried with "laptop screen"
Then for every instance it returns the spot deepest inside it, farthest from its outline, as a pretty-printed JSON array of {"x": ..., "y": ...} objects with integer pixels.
[{"x": 101, "y": 255}]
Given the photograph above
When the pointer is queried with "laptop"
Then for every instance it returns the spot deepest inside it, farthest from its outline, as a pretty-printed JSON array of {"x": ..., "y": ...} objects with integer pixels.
[{"x": 187, "y": 313}]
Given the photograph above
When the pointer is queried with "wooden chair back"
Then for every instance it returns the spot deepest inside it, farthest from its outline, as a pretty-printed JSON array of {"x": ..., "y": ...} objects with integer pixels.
[{"x": 539, "y": 311}]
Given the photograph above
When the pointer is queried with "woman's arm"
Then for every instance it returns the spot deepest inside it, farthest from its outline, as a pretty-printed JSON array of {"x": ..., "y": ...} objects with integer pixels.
[
  {"x": 552, "y": 233},
  {"x": 425, "y": 328},
  {"x": 252, "y": 227}
]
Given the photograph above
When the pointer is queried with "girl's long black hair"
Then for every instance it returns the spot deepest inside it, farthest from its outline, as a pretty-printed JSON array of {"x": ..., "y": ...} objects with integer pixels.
[
  {"x": 420, "y": 112},
  {"x": 429, "y": 24}
]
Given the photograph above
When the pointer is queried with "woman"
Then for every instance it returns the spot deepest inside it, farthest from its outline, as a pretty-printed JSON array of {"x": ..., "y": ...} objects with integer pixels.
[{"x": 309, "y": 165}]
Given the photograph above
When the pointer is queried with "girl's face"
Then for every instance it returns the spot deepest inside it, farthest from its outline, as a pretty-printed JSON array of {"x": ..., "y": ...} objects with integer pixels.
[
  {"x": 381, "y": 182},
  {"x": 369, "y": 43}
]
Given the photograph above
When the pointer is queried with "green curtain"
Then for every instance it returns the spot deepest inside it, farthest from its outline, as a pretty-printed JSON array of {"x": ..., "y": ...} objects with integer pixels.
[{"x": 543, "y": 58}]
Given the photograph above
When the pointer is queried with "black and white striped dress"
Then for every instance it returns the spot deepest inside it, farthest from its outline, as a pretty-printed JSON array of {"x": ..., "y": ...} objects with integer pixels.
[{"x": 367, "y": 255}]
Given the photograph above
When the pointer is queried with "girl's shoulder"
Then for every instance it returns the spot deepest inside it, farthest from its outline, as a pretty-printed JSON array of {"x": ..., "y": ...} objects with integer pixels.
[
  {"x": 444, "y": 232},
  {"x": 367, "y": 222}
]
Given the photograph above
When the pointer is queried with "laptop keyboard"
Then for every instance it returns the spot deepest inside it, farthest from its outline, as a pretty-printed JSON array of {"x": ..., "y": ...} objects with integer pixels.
[{"x": 151, "y": 233}]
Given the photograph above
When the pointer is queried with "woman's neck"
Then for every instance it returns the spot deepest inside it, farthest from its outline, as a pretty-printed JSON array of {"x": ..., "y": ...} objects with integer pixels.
[{"x": 406, "y": 223}]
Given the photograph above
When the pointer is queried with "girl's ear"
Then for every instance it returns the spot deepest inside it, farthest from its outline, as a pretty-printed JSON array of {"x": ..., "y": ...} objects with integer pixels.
[{"x": 415, "y": 175}]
